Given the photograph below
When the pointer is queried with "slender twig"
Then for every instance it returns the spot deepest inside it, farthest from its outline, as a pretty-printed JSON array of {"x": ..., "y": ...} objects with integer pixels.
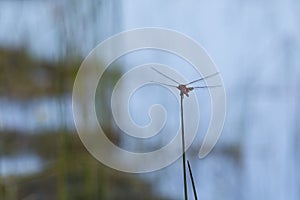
[
  {"x": 192, "y": 179},
  {"x": 183, "y": 149}
]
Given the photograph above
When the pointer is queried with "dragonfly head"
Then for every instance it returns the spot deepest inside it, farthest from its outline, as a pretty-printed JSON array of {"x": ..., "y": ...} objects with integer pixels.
[{"x": 190, "y": 88}]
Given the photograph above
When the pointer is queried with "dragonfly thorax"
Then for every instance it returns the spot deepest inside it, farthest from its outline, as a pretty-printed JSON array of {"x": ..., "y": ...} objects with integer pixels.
[{"x": 184, "y": 90}]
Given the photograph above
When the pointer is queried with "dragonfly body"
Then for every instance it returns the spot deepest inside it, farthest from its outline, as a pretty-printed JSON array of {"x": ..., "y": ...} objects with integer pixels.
[{"x": 184, "y": 90}]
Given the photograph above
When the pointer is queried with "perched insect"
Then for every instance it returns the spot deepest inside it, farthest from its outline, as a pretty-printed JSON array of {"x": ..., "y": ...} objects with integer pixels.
[{"x": 184, "y": 89}]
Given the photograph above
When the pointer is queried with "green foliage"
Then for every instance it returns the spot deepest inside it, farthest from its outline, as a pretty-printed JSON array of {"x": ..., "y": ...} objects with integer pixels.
[{"x": 68, "y": 171}]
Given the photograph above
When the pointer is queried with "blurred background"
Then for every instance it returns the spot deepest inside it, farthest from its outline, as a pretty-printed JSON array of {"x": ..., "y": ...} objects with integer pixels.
[{"x": 255, "y": 45}]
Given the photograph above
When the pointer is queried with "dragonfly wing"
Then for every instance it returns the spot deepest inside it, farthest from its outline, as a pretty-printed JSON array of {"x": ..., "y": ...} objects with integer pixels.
[
  {"x": 165, "y": 76},
  {"x": 210, "y": 86},
  {"x": 200, "y": 79},
  {"x": 164, "y": 84}
]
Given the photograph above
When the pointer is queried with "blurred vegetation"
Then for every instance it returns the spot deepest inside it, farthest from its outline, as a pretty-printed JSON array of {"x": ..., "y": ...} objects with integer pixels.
[
  {"x": 23, "y": 77},
  {"x": 68, "y": 171}
]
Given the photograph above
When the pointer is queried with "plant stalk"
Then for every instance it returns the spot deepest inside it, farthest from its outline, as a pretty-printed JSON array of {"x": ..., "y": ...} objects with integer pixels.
[
  {"x": 192, "y": 179},
  {"x": 183, "y": 149}
]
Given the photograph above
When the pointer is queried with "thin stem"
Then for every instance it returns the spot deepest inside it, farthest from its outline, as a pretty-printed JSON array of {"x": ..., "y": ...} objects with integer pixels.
[
  {"x": 183, "y": 150},
  {"x": 192, "y": 179}
]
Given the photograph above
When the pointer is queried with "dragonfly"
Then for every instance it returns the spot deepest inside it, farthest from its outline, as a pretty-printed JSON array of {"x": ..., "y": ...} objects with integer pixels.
[{"x": 184, "y": 88}]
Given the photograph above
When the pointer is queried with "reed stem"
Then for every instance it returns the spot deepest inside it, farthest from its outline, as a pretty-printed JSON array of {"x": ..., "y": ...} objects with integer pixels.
[
  {"x": 192, "y": 179},
  {"x": 183, "y": 150}
]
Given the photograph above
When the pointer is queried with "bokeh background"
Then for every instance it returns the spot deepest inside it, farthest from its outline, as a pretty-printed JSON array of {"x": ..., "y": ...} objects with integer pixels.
[{"x": 255, "y": 45}]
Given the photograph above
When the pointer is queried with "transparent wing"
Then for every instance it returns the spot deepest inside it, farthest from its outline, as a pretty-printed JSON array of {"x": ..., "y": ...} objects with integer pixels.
[
  {"x": 164, "y": 84},
  {"x": 210, "y": 86},
  {"x": 200, "y": 79},
  {"x": 165, "y": 75}
]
